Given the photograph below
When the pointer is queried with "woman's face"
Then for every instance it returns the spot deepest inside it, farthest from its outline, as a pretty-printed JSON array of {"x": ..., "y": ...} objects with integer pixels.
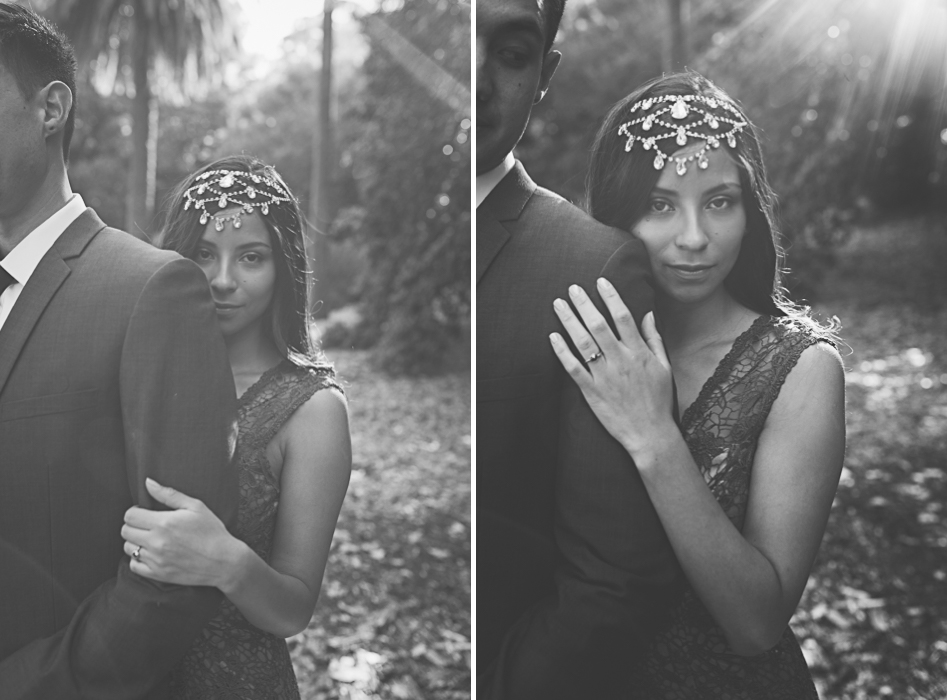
[
  {"x": 241, "y": 269},
  {"x": 694, "y": 226}
]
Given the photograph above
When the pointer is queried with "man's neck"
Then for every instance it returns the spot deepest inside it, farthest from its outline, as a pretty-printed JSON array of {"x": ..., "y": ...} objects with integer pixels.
[
  {"x": 51, "y": 197},
  {"x": 490, "y": 179}
]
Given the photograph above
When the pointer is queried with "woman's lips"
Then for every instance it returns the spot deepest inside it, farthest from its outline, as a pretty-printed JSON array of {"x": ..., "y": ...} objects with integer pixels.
[{"x": 690, "y": 270}]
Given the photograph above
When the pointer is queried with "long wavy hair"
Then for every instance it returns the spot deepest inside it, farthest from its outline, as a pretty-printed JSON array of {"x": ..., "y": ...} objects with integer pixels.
[
  {"x": 619, "y": 186},
  {"x": 289, "y": 317}
]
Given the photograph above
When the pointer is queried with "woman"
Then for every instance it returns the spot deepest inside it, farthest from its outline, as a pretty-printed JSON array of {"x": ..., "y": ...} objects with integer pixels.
[
  {"x": 238, "y": 221},
  {"x": 744, "y": 486}
]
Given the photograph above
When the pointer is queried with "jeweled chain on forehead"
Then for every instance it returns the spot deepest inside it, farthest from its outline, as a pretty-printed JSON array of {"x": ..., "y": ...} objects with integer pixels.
[
  {"x": 683, "y": 107},
  {"x": 234, "y": 187}
]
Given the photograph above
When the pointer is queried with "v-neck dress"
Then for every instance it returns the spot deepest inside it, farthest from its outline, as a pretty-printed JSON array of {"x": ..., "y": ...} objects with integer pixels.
[
  {"x": 690, "y": 658},
  {"x": 232, "y": 659}
]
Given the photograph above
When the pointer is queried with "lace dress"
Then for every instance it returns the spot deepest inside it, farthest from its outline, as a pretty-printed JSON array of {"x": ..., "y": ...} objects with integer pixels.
[
  {"x": 690, "y": 657},
  {"x": 232, "y": 659}
]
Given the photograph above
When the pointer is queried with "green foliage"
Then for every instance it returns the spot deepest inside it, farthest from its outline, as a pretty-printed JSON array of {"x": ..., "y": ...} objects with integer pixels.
[{"x": 410, "y": 160}]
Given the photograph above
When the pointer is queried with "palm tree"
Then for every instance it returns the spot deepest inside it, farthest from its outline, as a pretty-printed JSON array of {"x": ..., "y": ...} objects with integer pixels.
[{"x": 185, "y": 38}]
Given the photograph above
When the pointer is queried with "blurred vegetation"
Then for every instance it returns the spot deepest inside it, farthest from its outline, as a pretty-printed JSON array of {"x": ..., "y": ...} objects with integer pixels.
[
  {"x": 873, "y": 619},
  {"x": 399, "y": 249},
  {"x": 393, "y": 620}
]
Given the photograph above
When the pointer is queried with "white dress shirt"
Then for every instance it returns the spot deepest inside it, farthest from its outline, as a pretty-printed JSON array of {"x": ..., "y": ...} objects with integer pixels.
[
  {"x": 25, "y": 257},
  {"x": 490, "y": 179}
]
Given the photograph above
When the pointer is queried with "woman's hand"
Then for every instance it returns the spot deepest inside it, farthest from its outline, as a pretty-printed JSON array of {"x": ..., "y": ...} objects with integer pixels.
[
  {"x": 626, "y": 380},
  {"x": 188, "y": 546}
]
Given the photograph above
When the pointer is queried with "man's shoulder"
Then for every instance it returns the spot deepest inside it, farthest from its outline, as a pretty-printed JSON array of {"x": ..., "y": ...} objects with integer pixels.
[
  {"x": 127, "y": 254},
  {"x": 558, "y": 220}
]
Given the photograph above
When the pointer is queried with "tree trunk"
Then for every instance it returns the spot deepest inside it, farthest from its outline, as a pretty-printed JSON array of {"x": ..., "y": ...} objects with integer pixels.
[
  {"x": 677, "y": 52},
  {"x": 140, "y": 196},
  {"x": 320, "y": 215}
]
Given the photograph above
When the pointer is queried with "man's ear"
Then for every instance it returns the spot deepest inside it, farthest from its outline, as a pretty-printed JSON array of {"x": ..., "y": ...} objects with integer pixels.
[
  {"x": 550, "y": 63},
  {"x": 57, "y": 101}
]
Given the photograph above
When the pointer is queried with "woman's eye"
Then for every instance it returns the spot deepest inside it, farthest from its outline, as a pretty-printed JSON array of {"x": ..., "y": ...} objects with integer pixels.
[
  {"x": 253, "y": 258},
  {"x": 720, "y": 202},
  {"x": 660, "y": 206},
  {"x": 203, "y": 256}
]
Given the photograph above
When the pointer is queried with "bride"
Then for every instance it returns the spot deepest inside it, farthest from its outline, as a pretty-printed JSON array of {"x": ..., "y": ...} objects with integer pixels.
[
  {"x": 744, "y": 477},
  {"x": 239, "y": 222}
]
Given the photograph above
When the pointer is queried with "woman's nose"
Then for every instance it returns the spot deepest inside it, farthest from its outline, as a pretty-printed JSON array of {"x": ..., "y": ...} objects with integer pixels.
[
  {"x": 223, "y": 279},
  {"x": 692, "y": 235}
]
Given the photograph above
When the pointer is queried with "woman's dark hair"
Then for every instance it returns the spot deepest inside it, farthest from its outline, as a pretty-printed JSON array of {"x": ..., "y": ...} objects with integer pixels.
[
  {"x": 619, "y": 188},
  {"x": 289, "y": 316}
]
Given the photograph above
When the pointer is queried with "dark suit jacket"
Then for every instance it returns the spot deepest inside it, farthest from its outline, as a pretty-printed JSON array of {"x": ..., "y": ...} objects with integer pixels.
[
  {"x": 112, "y": 369},
  {"x": 573, "y": 568}
]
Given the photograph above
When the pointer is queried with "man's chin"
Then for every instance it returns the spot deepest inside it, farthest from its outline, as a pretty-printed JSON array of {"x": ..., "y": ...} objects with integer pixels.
[{"x": 488, "y": 163}]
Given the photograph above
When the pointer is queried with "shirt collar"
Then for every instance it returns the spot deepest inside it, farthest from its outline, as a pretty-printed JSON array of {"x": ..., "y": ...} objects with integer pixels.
[
  {"x": 490, "y": 179},
  {"x": 25, "y": 257}
]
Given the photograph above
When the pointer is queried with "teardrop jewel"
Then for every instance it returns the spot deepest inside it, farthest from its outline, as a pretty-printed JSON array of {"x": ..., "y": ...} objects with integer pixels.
[{"x": 680, "y": 109}]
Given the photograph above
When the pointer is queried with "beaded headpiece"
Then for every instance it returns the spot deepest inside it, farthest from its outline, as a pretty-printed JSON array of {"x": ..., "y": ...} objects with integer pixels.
[
  {"x": 227, "y": 188},
  {"x": 683, "y": 117}
]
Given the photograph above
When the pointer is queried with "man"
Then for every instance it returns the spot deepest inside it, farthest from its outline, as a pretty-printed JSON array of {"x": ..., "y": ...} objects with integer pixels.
[
  {"x": 573, "y": 568},
  {"x": 112, "y": 369}
]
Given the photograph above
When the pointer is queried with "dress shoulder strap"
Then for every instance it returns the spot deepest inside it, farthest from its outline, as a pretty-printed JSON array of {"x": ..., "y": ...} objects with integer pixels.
[{"x": 282, "y": 396}]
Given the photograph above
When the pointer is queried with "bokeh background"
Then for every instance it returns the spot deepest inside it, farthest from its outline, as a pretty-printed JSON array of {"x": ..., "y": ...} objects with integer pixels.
[
  {"x": 851, "y": 99},
  {"x": 364, "y": 108}
]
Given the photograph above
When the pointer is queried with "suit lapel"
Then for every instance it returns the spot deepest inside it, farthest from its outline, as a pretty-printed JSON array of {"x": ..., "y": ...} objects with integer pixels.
[
  {"x": 41, "y": 287},
  {"x": 505, "y": 203},
  {"x": 491, "y": 237}
]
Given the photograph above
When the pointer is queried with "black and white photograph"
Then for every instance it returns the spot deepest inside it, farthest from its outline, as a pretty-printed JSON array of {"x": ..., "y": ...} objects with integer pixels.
[
  {"x": 235, "y": 349},
  {"x": 711, "y": 349}
]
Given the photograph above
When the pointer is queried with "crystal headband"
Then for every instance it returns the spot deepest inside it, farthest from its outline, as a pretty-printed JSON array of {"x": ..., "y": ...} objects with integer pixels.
[
  {"x": 227, "y": 188},
  {"x": 687, "y": 113}
]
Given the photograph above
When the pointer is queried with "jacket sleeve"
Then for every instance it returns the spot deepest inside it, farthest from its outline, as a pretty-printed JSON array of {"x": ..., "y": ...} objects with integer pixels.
[
  {"x": 178, "y": 410},
  {"x": 616, "y": 575}
]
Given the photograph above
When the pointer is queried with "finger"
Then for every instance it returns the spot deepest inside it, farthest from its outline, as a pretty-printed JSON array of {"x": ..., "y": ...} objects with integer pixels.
[
  {"x": 142, "y": 518},
  {"x": 594, "y": 321},
  {"x": 142, "y": 569},
  {"x": 649, "y": 330},
  {"x": 584, "y": 342},
  {"x": 134, "y": 535},
  {"x": 624, "y": 321},
  {"x": 171, "y": 497},
  {"x": 569, "y": 362}
]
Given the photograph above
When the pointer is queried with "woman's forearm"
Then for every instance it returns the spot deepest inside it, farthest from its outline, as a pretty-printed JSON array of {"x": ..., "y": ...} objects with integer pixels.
[
  {"x": 734, "y": 579},
  {"x": 277, "y": 603}
]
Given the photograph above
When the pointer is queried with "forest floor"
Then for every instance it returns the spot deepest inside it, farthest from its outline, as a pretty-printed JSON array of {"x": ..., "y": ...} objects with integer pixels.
[
  {"x": 873, "y": 619},
  {"x": 393, "y": 620}
]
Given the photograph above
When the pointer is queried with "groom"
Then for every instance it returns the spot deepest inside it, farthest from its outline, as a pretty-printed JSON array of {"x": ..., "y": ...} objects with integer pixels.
[
  {"x": 111, "y": 370},
  {"x": 573, "y": 568}
]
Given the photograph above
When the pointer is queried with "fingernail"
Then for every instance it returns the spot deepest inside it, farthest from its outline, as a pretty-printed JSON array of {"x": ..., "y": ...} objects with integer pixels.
[
  {"x": 560, "y": 305},
  {"x": 605, "y": 284},
  {"x": 149, "y": 480},
  {"x": 554, "y": 337},
  {"x": 575, "y": 290}
]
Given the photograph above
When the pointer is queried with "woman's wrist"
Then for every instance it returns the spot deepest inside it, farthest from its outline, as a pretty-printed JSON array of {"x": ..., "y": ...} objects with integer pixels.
[
  {"x": 235, "y": 561},
  {"x": 657, "y": 448}
]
